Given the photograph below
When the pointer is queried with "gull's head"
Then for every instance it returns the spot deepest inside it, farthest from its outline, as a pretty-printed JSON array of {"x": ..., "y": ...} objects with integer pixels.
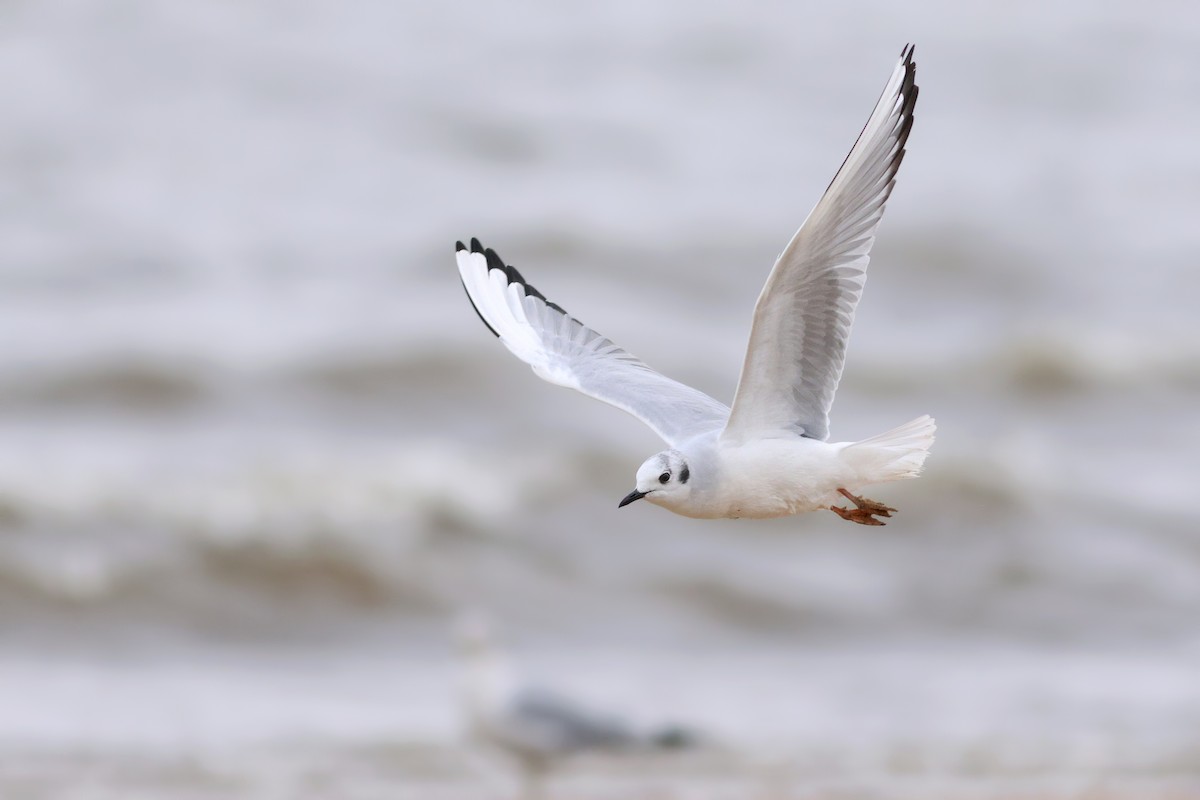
[{"x": 663, "y": 479}]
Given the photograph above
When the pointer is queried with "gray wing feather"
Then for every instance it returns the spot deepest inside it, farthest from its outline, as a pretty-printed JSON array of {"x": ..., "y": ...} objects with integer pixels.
[
  {"x": 803, "y": 316},
  {"x": 564, "y": 351},
  {"x": 551, "y": 724}
]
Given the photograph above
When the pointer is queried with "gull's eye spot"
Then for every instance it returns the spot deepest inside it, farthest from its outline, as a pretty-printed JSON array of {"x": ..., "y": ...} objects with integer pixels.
[
  {"x": 666, "y": 476},
  {"x": 685, "y": 474}
]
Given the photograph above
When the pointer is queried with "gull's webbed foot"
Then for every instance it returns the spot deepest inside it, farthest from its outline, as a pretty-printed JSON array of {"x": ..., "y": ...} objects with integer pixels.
[{"x": 865, "y": 510}]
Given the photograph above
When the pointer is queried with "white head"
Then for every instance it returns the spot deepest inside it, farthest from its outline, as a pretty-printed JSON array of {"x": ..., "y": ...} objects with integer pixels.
[{"x": 663, "y": 480}]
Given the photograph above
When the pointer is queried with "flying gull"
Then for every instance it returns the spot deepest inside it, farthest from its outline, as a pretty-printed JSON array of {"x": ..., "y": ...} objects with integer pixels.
[{"x": 768, "y": 455}]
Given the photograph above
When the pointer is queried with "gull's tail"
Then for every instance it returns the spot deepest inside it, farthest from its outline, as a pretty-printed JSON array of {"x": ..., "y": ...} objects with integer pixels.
[{"x": 894, "y": 455}]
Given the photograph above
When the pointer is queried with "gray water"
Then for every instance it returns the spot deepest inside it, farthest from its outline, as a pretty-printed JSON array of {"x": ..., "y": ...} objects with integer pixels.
[{"x": 259, "y": 452}]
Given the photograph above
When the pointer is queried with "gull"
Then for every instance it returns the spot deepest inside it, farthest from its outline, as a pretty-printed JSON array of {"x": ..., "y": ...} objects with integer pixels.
[
  {"x": 535, "y": 726},
  {"x": 768, "y": 455}
]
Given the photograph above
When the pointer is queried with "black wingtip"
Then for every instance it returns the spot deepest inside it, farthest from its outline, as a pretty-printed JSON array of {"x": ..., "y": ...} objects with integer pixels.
[
  {"x": 910, "y": 65},
  {"x": 475, "y": 248},
  {"x": 494, "y": 261},
  {"x": 908, "y": 90}
]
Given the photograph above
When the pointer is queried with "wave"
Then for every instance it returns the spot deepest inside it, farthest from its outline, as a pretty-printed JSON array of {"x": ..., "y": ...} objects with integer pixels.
[
  {"x": 301, "y": 532},
  {"x": 129, "y": 383},
  {"x": 1035, "y": 364},
  {"x": 329, "y": 540},
  {"x": 1022, "y": 365},
  {"x": 133, "y": 382},
  {"x": 308, "y": 524}
]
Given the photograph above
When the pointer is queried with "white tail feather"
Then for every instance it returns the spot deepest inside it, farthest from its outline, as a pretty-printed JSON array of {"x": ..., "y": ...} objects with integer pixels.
[{"x": 894, "y": 455}]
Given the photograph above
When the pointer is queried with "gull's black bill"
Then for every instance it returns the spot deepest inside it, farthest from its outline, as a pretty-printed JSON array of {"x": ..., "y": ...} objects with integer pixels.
[{"x": 629, "y": 498}]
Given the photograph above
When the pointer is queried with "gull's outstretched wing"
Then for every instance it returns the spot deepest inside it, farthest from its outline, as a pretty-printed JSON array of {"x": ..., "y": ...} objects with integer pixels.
[
  {"x": 564, "y": 351},
  {"x": 803, "y": 316}
]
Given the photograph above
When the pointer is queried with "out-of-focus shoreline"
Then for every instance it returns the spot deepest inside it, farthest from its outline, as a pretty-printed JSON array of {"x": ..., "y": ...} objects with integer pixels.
[{"x": 401, "y": 770}]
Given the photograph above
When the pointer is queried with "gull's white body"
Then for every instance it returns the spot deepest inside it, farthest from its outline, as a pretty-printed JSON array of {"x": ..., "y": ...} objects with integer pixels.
[
  {"x": 780, "y": 477},
  {"x": 766, "y": 478},
  {"x": 767, "y": 455}
]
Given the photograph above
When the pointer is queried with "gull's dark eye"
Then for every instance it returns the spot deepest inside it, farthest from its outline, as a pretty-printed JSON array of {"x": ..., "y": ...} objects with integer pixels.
[{"x": 666, "y": 476}]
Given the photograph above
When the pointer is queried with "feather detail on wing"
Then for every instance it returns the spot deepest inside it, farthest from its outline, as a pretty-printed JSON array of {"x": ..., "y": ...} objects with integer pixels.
[
  {"x": 803, "y": 316},
  {"x": 564, "y": 351}
]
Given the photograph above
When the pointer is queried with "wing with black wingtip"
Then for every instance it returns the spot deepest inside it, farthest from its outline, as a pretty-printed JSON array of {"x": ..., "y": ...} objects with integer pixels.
[
  {"x": 564, "y": 351},
  {"x": 803, "y": 316}
]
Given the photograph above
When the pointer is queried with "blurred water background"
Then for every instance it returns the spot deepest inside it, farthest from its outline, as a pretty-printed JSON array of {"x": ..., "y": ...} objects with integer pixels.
[{"x": 258, "y": 451}]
